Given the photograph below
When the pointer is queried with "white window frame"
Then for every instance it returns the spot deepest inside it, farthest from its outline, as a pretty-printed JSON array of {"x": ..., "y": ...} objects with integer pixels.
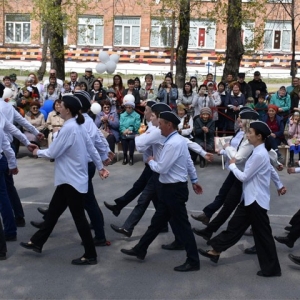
[
  {"x": 90, "y": 29},
  {"x": 14, "y": 24},
  {"x": 277, "y": 26},
  {"x": 160, "y": 24},
  {"x": 118, "y": 23},
  {"x": 246, "y": 28},
  {"x": 65, "y": 36},
  {"x": 206, "y": 25}
]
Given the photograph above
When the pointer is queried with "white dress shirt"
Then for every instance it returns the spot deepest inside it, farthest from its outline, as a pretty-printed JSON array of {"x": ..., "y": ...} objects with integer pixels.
[
  {"x": 8, "y": 151},
  {"x": 69, "y": 149},
  {"x": 10, "y": 130},
  {"x": 256, "y": 177},
  {"x": 174, "y": 163}
]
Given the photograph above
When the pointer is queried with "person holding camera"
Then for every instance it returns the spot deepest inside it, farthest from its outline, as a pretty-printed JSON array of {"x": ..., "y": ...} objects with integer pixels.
[
  {"x": 202, "y": 100},
  {"x": 168, "y": 92}
]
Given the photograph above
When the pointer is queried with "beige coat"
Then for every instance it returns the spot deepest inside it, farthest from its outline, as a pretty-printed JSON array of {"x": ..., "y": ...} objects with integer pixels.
[{"x": 53, "y": 121}]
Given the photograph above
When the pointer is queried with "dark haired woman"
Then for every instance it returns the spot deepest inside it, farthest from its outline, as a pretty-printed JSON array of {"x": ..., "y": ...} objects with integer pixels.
[
  {"x": 69, "y": 150},
  {"x": 186, "y": 97},
  {"x": 97, "y": 93},
  {"x": 119, "y": 88},
  {"x": 194, "y": 83},
  {"x": 253, "y": 210}
]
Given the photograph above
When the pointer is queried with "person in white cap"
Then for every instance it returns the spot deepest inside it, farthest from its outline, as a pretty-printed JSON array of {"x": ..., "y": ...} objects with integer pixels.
[{"x": 88, "y": 78}]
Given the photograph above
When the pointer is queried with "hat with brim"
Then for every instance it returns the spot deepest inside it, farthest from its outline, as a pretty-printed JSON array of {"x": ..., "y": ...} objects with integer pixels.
[
  {"x": 262, "y": 127},
  {"x": 161, "y": 107},
  {"x": 170, "y": 117},
  {"x": 256, "y": 73},
  {"x": 150, "y": 103},
  {"x": 72, "y": 102},
  {"x": 2, "y": 87},
  {"x": 241, "y": 75},
  {"x": 84, "y": 98},
  {"x": 249, "y": 114},
  {"x": 88, "y": 70}
]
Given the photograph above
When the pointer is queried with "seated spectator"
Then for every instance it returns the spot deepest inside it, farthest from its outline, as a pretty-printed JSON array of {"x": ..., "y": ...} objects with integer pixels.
[
  {"x": 130, "y": 122},
  {"x": 130, "y": 90},
  {"x": 186, "y": 97},
  {"x": 185, "y": 127},
  {"x": 234, "y": 101},
  {"x": 98, "y": 94},
  {"x": 50, "y": 94},
  {"x": 168, "y": 92},
  {"x": 57, "y": 87},
  {"x": 283, "y": 101},
  {"x": 35, "y": 92},
  {"x": 77, "y": 87},
  {"x": 257, "y": 86},
  {"x": 204, "y": 131},
  {"x": 108, "y": 121},
  {"x": 14, "y": 91},
  {"x": 36, "y": 118},
  {"x": 250, "y": 102},
  {"x": 26, "y": 99},
  {"x": 148, "y": 91},
  {"x": 210, "y": 78},
  {"x": 202, "y": 100},
  {"x": 194, "y": 83},
  {"x": 294, "y": 137},
  {"x": 83, "y": 86},
  {"x": 66, "y": 89},
  {"x": 261, "y": 106},
  {"x": 275, "y": 122},
  {"x": 54, "y": 121}
]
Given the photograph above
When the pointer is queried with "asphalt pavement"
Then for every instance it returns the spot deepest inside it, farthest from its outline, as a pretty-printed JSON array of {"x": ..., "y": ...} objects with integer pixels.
[{"x": 50, "y": 275}]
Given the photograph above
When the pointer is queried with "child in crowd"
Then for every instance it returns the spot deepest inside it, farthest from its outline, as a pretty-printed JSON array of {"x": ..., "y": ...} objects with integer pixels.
[
  {"x": 294, "y": 137},
  {"x": 66, "y": 88},
  {"x": 24, "y": 102},
  {"x": 112, "y": 97},
  {"x": 250, "y": 102},
  {"x": 50, "y": 94},
  {"x": 261, "y": 106},
  {"x": 204, "y": 132}
]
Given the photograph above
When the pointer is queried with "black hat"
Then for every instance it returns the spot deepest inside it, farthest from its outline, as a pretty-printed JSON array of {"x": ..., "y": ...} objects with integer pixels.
[
  {"x": 241, "y": 75},
  {"x": 72, "y": 101},
  {"x": 249, "y": 114},
  {"x": 150, "y": 103},
  {"x": 169, "y": 116},
  {"x": 262, "y": 127},
  {"x": 2, "y": 87},
  {"x": 160, "y": 107},
  {"x": 256, "y": 73},
  {"x": 84, "y": 98}
]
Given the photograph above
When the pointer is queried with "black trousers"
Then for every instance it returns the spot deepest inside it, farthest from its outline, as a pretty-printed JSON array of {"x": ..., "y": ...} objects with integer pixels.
[
  {"x": 257, "y": 217},
  {"x": 3, "y": 248},
  {"x": 111, "y": 142},
  {"x": 171, "y": 206},
  {"x": 128, "y": 144},
  {"x": 296, "y": 218},
  {"x": 67, "y": 196},
  {"x": 137, "y": 188},
  {"x": 211, "y": 208},
  {"x": 233, "y": 198}
]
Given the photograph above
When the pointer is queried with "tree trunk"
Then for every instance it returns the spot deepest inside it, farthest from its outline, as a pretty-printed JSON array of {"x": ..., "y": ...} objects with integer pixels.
[
  {"x": 42, "y": 70},
  {"x": 183, "y": 42},
  {"x": 234, "y": 45}
]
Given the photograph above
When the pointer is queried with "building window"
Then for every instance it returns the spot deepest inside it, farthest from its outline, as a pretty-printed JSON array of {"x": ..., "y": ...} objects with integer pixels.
[
  {"x": 277, "y": 36},
  {"x": 161, "y": 33},
  {"x": 90, "y": 30},
  {"x": 202, "y": 34},
  {"x": 65, "y": 32},
  {"x": 247, "y": 35},
  {"x": 127, "y": 31},
  {"x": 17, "y": 28}
]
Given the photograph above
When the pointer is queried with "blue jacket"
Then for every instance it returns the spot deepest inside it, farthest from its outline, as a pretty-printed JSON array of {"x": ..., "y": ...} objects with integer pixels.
[
  {"x": 279, "y": 120},
  {"x": 130, "y": 121},
  {"x": 113, "y": 123},
  {"x": 282, "y": 102},
  {"x": 173, "y": 96}
]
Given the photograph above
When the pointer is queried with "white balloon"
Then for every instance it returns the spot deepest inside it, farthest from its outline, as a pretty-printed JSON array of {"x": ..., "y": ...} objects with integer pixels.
[
  {"x": 96, "y": 108},
  {"x": 110, "y": 66},
  {"x": 115, "y": 57},
  {"x": 104, "y": 57},
  {"x": 100, "y": 68},
  {"x": 128, "y": 98}
]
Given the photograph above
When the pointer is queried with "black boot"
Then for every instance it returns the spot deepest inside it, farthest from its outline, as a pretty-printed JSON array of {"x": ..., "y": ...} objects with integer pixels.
[
  {"x": 131, "y": 160},
  {"x": 291, "y": 163},
  {"x": 125, "y": 160}
]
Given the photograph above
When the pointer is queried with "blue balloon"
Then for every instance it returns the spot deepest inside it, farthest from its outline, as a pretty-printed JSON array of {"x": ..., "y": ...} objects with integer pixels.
[
  {"x": 48, "y": 106},
  {"x": 44, "y": 113}
]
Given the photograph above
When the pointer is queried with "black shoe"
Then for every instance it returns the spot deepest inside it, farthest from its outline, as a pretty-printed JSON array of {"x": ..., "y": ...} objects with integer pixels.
[
  {"x": 10, "y": 238},
  {"x": 37, "y": 224},
  {"x": 260, "y": 273},
  {"x": 295, "y": 259},
  {"x": 100, "y": 243},
  {"x": 251, "y": 250},
  {"x": 31, "y": 246},
  {"x": 43, "y": 211},
  {"x": 82, "y": 261},
  {"x": 125, "y": 160},
  {"x": 52, "y": 160},
  {"x": 130, "y": 161},
  {"x": 202, "y": 233},
  {"x": 2, "y": 256},
  {"x": 164, "y": 230},
  {"x": 213, "y": 258},
  {"x": 288, "y": 228},
  {"x": 187, "y": 267},
  {"x": 284, "y": 240},
  {"x": 112, "y": 208},
  {"x": 172, "y": 246},
  {"x": 201, "y": 218},
  {"x": 121, "y": 230},
  {"x": 132, "y": 252},
  {"x": 20, "y": 222}
]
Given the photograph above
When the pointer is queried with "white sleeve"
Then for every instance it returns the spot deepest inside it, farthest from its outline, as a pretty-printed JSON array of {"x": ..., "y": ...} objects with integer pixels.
[
  {"x": 9, "y": 153},
  {"x": 24, "y": 123}
]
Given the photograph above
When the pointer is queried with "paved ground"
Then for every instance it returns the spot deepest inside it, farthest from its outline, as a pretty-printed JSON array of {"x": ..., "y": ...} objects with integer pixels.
[{"x": 28, "y": 275}]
